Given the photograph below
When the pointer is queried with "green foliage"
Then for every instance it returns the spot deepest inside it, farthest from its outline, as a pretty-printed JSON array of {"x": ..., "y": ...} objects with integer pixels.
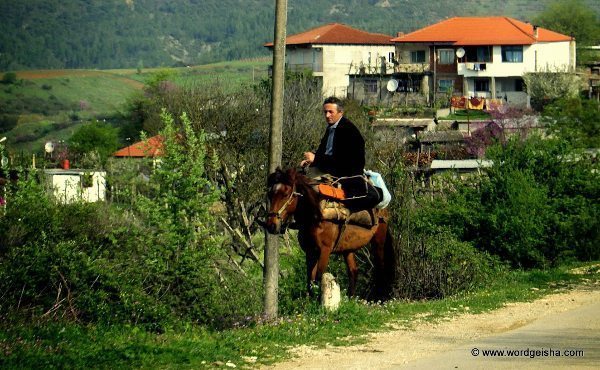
[
  {"x": 151, "y": 264},
  {"x": 571, "y": 17},
  {"x": 69, "y": 345},
  {"x": 436, "y": 264},
  {"x": 549, "y": 86},
  {"x": 575, "y": 120},
  {"x": 9, "y": 78},
  {"x": 538, "y": 205},
  {"x": 152, "y": 33},
  {"x": 95, "y": 136},
  {"x": 8, "y": 122}
]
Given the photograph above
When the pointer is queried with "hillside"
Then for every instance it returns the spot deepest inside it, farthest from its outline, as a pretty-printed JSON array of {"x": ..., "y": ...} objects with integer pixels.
[{"x": 38, "y": 34}]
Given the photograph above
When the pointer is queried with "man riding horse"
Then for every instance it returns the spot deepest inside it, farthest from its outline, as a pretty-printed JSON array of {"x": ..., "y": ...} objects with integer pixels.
[{"x": 341, "y": 154}]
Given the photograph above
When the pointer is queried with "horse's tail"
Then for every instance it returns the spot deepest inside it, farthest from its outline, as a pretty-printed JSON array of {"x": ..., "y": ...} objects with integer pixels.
[{"x": 389, "y": 267}]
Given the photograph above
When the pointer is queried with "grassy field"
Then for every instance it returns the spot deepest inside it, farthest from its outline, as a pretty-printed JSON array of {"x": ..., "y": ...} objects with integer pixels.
[
  {"x": 51, "y": 344},
  {"x": 51, "y": 104}
]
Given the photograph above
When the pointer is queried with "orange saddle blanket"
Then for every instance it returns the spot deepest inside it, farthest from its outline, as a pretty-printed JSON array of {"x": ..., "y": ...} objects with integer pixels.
[{"x": 331, "y": 191}]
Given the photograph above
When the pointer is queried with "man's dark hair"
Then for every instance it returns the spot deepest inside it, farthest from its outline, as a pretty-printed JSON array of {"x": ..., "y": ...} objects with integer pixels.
[{"x": 334, "y": 100}]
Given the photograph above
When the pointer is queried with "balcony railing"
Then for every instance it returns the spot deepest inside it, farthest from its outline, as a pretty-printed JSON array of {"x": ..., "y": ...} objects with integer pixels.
[{"x": 411, "y": 67}]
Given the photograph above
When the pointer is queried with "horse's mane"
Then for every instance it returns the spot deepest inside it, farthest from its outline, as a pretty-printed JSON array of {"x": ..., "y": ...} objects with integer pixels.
[{"x": 308, "y": 207}]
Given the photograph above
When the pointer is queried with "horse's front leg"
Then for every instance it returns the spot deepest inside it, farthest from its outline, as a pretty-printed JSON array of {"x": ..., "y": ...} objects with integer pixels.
[
  {"x": 311, "y": 251},
  {"x": 317, "y": 265},
  {"x": 352, "y": 269},
  {"x": 312, "y": 257}
]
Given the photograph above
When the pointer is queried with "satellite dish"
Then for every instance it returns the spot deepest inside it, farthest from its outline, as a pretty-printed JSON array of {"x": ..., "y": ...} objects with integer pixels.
[
  {"x": 392, "y": 85},
  {"x": 49, "y": 147},
  {"x": 460, "y": 52}
]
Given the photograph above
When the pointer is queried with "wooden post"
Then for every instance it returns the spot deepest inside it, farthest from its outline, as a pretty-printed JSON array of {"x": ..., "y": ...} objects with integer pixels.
[{"x": 271, "y": 271}]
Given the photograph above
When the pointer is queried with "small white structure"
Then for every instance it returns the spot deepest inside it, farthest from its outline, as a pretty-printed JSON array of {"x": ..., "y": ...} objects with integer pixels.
[{"x": 76, "y": 185}]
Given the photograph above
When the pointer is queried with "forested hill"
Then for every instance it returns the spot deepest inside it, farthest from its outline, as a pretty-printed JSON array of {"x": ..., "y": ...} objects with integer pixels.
[{"x": 37, "y": 34}]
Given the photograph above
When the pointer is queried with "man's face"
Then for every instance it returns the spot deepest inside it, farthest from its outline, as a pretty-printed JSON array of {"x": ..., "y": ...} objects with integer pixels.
[{"x": 331, "y": 113}]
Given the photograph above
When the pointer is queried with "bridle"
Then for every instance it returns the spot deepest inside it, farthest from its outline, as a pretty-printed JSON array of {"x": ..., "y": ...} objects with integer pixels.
[{"x": 284, "y": 206}]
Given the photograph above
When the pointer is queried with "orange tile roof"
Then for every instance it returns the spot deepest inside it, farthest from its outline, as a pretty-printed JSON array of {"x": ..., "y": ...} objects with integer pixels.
[
  {"x": 481, "y": 31},
  {"x": 336, "y": 33},
  {"x": 151, "y": 147}
]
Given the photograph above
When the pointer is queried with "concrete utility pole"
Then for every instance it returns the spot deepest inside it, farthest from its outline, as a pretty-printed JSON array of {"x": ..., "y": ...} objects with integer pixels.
[{"x": 271, "y": 272}]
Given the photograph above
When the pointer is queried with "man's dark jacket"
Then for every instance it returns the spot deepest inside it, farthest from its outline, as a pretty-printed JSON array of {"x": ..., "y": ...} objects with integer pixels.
[{"x": 348, "y": 158}]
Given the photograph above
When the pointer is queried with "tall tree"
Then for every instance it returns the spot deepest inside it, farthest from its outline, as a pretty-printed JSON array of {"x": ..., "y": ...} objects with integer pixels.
[{"x": 572, "y": 17}]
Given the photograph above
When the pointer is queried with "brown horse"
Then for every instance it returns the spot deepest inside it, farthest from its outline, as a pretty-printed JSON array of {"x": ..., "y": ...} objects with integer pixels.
[{"x": 292, "y": 194}]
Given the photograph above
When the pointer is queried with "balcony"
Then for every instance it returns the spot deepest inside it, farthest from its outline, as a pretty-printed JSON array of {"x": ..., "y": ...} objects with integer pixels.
[{"x": 412, "y": 68}]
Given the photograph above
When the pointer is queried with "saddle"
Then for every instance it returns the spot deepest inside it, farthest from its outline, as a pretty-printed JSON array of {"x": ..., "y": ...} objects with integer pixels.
[{"x": 333, "y": 209}]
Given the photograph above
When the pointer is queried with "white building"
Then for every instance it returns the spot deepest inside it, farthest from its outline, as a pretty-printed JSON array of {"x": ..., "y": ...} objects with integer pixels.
[
  {"x": 334, "y": 51},
  {"x": 483, "y": 57},
  {"x": 76, "y": 185}
]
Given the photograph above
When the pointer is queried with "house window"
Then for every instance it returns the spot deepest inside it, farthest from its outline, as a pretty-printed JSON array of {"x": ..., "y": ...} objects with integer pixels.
[
  {"x": 446, "y": 56},
  {"x": 482, "y": 85},
  {"x": 371, "y": 86},
  {"x": 391, "y": 56},
  {"x": 512, "y": 54},
  {"x": 417, "y": 56},
  {"x": 409, "y": 83},
  {"x": 519, "y": 85},
  {"x": 479, "y": 54},
  {"x": 445, "y": 85}
]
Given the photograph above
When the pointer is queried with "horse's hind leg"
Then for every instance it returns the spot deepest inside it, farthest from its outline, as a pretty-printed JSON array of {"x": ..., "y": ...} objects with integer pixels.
[
  {"x": 378, "y": 249},
  {"x": 352, "y": 270}
]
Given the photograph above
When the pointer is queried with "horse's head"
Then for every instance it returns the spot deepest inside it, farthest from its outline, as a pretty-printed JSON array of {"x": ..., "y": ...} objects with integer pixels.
[{"x": 283, "y": 199}]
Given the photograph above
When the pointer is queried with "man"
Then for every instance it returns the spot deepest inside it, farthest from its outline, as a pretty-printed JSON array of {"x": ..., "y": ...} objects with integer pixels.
[{"x": 341, "y": 154}]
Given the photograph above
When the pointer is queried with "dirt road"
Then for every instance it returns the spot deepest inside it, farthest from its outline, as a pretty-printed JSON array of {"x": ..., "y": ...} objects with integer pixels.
[{"x": 567, "y": 322}]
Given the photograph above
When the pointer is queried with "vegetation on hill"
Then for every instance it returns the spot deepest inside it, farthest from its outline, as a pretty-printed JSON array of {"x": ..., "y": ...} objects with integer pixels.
[{"x": 149, "y": 33}]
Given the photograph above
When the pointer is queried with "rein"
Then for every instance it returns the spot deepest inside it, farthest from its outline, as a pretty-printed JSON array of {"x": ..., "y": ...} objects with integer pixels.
[{"x": 283, "y": 208}]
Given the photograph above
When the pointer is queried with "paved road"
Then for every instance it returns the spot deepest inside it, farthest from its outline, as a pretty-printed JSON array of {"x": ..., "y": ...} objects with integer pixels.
[{"x": 562, "y": 333}]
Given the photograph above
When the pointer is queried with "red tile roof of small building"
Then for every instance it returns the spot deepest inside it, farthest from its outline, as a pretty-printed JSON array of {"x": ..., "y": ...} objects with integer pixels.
[
  {"x": 336, "y": 33},
  {"x": 482, "y": 31},
  {"x": 151, "y": 147}
]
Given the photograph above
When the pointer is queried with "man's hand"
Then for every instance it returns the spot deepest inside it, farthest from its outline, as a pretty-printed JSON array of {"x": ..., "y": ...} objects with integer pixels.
[{"x": 309, "y": 158}]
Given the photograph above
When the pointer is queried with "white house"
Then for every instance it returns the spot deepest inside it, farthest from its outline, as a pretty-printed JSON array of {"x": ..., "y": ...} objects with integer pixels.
[
  {"x": 483, "y": 57},
  {"x": 334, "y": 51},
  {"x": 72, "y": 185}
]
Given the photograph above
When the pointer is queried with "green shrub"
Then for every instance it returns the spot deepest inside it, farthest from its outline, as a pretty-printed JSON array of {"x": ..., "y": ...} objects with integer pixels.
[
  {"x": 537, "y": 206},
  {"x": 8, "y": 122},
  {"x": 95, "y": 136},
  {"x": 9, "y": 78},
  {"x": 155, "y": 263},
  {"x": 437, "y": 265}
]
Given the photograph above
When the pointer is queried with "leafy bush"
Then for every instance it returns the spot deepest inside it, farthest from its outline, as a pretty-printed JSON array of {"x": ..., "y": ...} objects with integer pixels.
[
  {"x": 95, "y": 136},
  {"x": 575, "y": 120},
  {"x": 9, "y": 78},
  {"x": 537, "y": 206},
  {"x": 154, "y": 263},
  {"x": 8, "y": 122},
  {"x": 437, "y": 265}
]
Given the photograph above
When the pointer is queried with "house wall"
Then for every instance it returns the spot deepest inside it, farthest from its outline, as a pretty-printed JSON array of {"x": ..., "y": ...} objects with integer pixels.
[
  {"x": 333, "y": 63},
  {"x": 66, "y": 185},
  {"x": 341, "y": 60},
  {"x": 553, "y": 56},
  {"x": 549, "y": 56}
]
